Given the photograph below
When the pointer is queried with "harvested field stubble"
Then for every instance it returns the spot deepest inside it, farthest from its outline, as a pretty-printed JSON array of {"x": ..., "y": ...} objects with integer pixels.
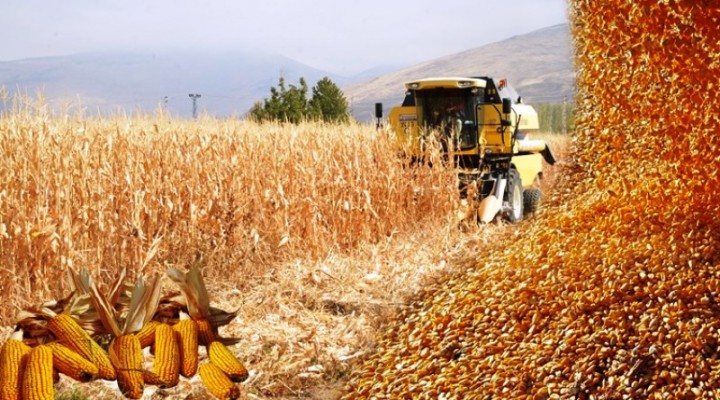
[{"x": 616, "y": 293}]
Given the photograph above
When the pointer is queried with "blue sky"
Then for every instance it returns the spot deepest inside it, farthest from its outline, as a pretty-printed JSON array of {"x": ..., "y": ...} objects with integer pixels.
[{"x": 341, "y": 36}]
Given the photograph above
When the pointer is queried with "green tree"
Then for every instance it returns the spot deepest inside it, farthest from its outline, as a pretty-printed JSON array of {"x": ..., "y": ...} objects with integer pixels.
[
  {"x": 328, "y": 102},
  {"x": 291, "y": 103}
]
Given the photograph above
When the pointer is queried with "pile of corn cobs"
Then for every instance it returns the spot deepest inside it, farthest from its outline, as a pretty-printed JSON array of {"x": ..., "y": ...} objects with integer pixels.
[{"x": 58, "y": 339}]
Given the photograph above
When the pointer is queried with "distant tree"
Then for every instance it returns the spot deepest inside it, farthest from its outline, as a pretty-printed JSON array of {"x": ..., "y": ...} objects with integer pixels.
[
  {"x": 328, "y": 102},
  {"x": 556, "y": 117},
  {"x": 257, "y": 112},
  {"x": 295, "y": 102},
  {"x": 291, "y": 103},
  {"x": 284, "y": 104}
]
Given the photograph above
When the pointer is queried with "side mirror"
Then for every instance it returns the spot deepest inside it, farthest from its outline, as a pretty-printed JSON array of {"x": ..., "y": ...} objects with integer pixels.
[
  {"x": 506, "y": 110},
  {"x": 378, "y": 115},
  {"x": 506, "y": 105}
]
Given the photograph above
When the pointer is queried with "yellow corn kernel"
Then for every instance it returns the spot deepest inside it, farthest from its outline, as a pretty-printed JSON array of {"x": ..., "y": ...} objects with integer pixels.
[
  {"x": 187, "y": 338},
  {"x": 217, "y": 383},
  {"x": 146, "y": 335},
  {"x": 13, "y": 358},
  {"x": 126, "y": 356},
  {"x": 72, "y": 335},
  {"x": 206, "y": 332},
  {"x": 37, "y": 383},
  {"x": 167, "y": 355},
  {"x": 221, "y": 356},
  {"x": 72, "y": 364}
]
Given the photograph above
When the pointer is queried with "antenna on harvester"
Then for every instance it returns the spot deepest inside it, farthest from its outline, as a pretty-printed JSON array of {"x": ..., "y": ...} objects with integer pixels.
[{"x": 194, "y": 97}]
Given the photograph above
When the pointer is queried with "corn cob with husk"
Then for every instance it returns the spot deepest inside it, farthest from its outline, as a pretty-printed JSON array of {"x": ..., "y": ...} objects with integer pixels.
[
  {"x": 167, "y": 355},
  {"x": 186, "y": 332},
  {"x": 13, "y": 360},
  {"x": 37, "y": 382},
  {"x": 217, "y": 383},
  {"x": 224, "y": 359},
  {"x": 69, "y": 333},
  {"x": 197, "y": 302},
  {"x": 125, "y": 351},
  {"x": 34, "y": 324},
  {"x": 72, "y": 364}
]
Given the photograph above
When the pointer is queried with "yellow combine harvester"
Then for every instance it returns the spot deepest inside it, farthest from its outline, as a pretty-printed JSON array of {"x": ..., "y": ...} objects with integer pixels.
[{"x": 481, "y": 125}]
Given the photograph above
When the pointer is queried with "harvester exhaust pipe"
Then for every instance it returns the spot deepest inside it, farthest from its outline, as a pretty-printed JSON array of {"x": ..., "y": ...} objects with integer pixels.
[{"x": 490, "y": 206}]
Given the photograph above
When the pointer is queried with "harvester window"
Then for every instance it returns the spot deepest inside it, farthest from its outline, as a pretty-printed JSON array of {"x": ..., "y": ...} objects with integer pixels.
[{"x": 449, "y": 114}]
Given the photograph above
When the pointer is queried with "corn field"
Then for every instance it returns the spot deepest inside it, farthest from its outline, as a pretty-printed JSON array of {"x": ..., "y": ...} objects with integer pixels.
[{"x": 97, "y": 193}]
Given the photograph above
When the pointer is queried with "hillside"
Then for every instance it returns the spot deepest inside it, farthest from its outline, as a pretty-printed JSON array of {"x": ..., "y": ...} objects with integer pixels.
[
  {"x": 228, "y": 82},
  {"x": 538, "y": 64}
]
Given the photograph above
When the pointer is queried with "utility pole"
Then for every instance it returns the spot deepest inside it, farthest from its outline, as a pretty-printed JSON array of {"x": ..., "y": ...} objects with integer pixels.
[{"x": 194, "y": 97}]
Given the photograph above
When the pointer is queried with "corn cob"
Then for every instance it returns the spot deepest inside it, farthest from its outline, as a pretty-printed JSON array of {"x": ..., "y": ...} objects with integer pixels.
[
  {"x": 167, "y": 355},
  {"x": 147, "y": 334},
  {"x": 72, "y": 364},
  {"x": 151, "y": 378},
  {"x": 69, "y": 333},
  {"x": 217, "y": 383},
  {"x": 56, "y": 376},
  {"x": 13, "y": 358},
  {"x": 187, "y": 339},
  {"x": 37, "y": 383},
  {"x": 126, "y": 356},
  {"x": 227, "y": 362},
  {"x": 206, "y": 334}
]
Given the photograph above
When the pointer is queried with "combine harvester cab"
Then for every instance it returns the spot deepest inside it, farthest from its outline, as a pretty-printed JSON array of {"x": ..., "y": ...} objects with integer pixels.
[{"x": 481, "y": 125}]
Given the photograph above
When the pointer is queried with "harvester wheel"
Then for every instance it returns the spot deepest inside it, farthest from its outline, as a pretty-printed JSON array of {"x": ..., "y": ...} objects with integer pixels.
[
  {"x": 514, "y": 196},
  {"x": 531, "y": 200}
]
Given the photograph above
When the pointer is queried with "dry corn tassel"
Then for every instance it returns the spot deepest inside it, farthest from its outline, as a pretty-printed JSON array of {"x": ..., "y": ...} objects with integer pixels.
[
  {"x": 221, "y": 356},
  {"x": 72, "y": 335},
  {"x": 72, "y": 364},
  {"x": 187, "y": 339},
  {"x": 167, "y": 355},
  {"x": 146, "y": 335},
  {"x": 126, "y": 356},
  {"x": 217, "y": 383},
  {"x": 37, "y": 383},
  {"x": 13, "y": 358}
]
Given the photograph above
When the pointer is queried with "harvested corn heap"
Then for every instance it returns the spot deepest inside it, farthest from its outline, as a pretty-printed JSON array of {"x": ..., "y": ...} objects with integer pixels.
[{"x": 616, "y": 293}]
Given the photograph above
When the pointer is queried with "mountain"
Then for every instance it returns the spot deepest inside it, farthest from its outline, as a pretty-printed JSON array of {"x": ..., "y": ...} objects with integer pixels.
[
  {"x": 229, "y": 83},
  {"x": 537, "y": 64}
]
